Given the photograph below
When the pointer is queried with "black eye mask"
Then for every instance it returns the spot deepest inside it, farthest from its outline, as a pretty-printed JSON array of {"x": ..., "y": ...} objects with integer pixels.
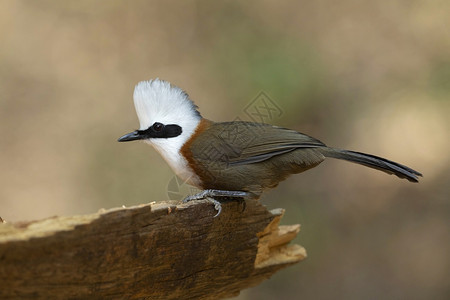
[{"x": 158, "y": 130}]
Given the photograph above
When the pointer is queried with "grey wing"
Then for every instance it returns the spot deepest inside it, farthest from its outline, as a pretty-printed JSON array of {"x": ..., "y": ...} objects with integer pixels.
[{"x": 246, "y": 143}]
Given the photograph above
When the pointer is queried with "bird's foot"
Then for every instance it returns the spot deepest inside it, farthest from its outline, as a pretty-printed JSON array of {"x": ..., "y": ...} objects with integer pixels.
[{"x": 210, "y": 195}]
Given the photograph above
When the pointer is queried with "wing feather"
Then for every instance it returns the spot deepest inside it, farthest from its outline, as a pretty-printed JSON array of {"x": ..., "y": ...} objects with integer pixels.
[{"x": 243, "y": 143}]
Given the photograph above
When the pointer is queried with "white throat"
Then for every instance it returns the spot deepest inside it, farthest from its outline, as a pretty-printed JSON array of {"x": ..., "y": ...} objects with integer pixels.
[
  {"x": 170, "y": 151},
  {"x": 159, "y": 101}
]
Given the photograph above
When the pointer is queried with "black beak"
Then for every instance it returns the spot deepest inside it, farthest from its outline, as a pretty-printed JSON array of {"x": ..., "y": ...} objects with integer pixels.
[{"x": 132, "y": 136}]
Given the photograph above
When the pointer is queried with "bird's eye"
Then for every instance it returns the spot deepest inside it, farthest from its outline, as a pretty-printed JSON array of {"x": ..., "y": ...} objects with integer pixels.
[{"x": 158, "y": 126}]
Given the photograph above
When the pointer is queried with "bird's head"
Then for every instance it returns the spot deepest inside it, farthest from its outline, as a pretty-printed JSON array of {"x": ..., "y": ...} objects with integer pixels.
[{"x": 166, "y": 115}]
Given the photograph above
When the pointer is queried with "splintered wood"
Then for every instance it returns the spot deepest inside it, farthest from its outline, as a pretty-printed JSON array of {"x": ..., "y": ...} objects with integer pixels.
[
  {"x": 273, "y": 247},
  {"x": 153, "y": 251}
]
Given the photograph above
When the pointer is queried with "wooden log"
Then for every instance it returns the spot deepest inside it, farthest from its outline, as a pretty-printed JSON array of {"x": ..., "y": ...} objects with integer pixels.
[{"x": 152, "y": 251}]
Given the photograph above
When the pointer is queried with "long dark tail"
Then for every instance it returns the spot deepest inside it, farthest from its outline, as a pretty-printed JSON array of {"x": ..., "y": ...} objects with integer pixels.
[{"x": 374, "y": 162}]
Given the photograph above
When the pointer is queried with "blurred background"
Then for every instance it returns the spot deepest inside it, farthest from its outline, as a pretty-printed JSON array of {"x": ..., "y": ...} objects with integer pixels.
[{"x": 372, "y": 76}]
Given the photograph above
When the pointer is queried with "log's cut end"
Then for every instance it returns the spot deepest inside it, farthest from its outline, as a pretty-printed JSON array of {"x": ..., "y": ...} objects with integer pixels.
[
  {"x": 154, "y": 251},
  {"x": 273, "y": 246}
]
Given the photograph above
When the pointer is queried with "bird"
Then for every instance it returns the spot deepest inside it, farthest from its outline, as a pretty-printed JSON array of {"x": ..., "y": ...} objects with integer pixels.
[{"x": 235, "y": 160}]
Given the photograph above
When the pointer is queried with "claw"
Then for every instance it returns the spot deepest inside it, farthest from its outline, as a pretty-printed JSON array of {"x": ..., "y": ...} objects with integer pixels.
[{"x": 217, "y": 206}]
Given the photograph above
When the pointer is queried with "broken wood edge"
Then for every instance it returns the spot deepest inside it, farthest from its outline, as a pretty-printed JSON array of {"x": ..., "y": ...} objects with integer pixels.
[
  {"x": 273, "y": 246},
  {"x": 272, "y": 254}
]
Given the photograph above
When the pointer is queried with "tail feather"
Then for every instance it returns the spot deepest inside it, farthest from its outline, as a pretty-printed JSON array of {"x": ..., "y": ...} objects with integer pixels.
[{"x": 374, "y": 162}]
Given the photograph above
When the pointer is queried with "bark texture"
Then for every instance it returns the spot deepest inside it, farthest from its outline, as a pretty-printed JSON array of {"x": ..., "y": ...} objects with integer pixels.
[{"x": 151, "y": 251}]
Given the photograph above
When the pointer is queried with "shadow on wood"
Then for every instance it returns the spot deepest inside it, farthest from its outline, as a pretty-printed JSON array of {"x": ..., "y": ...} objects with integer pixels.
[{"x": 154, "y": 251}]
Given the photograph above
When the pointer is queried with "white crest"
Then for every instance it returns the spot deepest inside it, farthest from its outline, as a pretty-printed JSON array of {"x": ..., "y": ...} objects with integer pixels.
[{"x": 159, "y": 101}]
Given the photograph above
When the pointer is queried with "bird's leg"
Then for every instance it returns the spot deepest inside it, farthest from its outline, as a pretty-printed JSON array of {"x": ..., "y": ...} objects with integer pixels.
[
  {"x": 217, "y": 193},
  {"x": 210, "y": 195}
]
